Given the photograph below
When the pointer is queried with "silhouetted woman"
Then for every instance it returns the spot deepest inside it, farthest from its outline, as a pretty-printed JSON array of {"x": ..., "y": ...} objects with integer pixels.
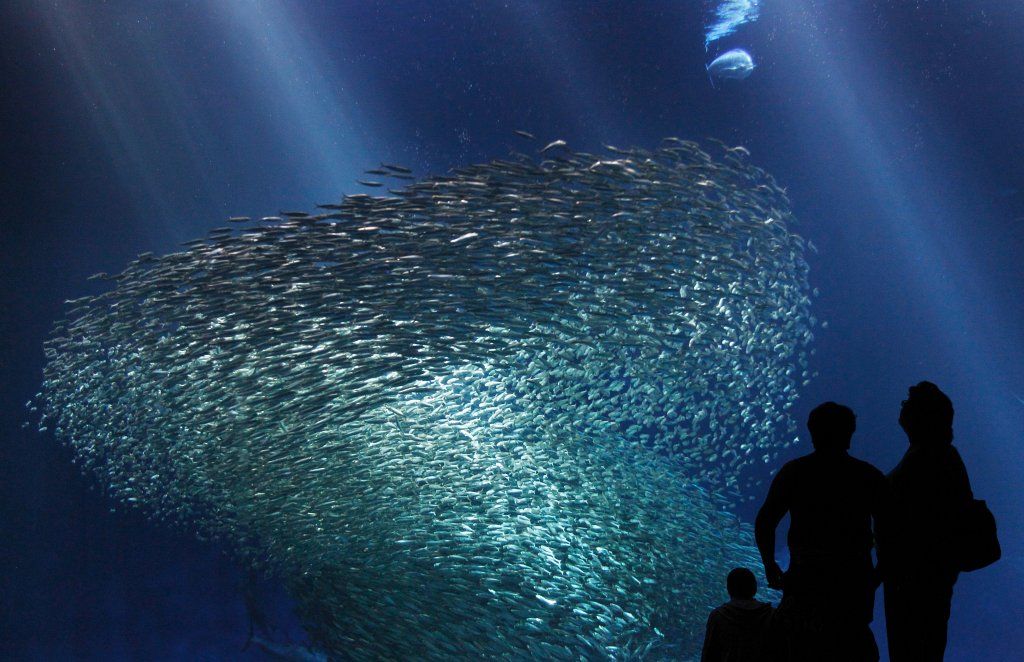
[{"x": 929, "y": 487}]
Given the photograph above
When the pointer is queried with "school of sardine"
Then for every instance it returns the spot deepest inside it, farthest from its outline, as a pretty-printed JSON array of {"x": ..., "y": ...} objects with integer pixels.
[{"x": 499, "y": 413}]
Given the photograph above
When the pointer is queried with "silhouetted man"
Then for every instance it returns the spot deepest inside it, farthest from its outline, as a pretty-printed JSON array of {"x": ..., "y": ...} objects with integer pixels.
[
  {"x": 736, "y": 631},
  {"x": 828, "y": 591},
  {"x": 928, "y": 488}
]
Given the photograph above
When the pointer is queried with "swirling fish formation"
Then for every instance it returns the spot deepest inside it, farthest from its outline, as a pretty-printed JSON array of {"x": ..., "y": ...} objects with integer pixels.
[{"x": 495, "y": 413}]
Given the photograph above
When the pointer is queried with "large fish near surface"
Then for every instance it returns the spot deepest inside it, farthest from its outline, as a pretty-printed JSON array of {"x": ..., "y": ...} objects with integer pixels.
[
  {"x": 495, "y": 413},
  {"x": 732, "y": 65}
]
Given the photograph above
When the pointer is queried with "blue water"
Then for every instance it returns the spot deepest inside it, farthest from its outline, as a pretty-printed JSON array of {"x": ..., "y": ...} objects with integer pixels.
[{"x": 134, "y": 126}]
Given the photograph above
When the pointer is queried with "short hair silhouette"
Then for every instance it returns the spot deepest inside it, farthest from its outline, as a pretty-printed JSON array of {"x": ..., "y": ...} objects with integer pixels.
[
  {"x": 741, "y": 584},
  {"x": 927, "y": 414},
  {"x": 831, "y": 426}
]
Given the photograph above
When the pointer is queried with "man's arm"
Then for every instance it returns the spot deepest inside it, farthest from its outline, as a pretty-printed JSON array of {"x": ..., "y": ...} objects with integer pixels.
[
  {"x": 961, "y": 486},
  {"x": 775, "y": 507},
  {"x": 712, "y": 649},
  {"x": 880, "y": 507}
]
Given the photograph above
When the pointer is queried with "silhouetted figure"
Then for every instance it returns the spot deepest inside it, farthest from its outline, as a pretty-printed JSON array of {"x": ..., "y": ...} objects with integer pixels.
[
  {"x": 737, "y": 630},
  {"x": 929, "y": 487},
  {"x": 828, "y": 592}
]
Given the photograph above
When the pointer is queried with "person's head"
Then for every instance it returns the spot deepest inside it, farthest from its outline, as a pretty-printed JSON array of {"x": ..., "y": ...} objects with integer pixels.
[
  {"x": 927, "y": 415},
  {"x": 831, "y": 426},
  {"x": 742, "y": 584}
]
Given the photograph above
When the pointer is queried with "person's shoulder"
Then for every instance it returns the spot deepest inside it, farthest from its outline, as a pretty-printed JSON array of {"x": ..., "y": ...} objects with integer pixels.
[
  {"x": 871, "y": 470},
  {"x": 901, "y": 468},
  {"x": 718, "y": 613},
  {"x": 956, "y": 462},
  {"x": 798, "y": 463},
  {"x": 791, "y": 469},
  {"x": 865, "y": 467},
  {"x": 755, "y": 605}
]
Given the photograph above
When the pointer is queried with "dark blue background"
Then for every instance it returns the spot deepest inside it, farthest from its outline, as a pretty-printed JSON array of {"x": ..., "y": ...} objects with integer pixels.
[{"x": 132, "y": 126}]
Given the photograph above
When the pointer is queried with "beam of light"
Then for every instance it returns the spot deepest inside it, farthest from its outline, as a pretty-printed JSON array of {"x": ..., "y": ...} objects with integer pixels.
[
  {"x": 105, "y": 91},
  {"x": 573, "y": 80},
  {"x": 300, "y": 83},
  {"x": 728, "y": 17},
  {"x": 922, "y": 229},
  {"x": 143, "y": 78}
]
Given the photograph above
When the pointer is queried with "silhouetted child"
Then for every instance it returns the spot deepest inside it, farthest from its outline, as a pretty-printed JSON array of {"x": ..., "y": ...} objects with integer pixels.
[{"x": 738, "y": 629}]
